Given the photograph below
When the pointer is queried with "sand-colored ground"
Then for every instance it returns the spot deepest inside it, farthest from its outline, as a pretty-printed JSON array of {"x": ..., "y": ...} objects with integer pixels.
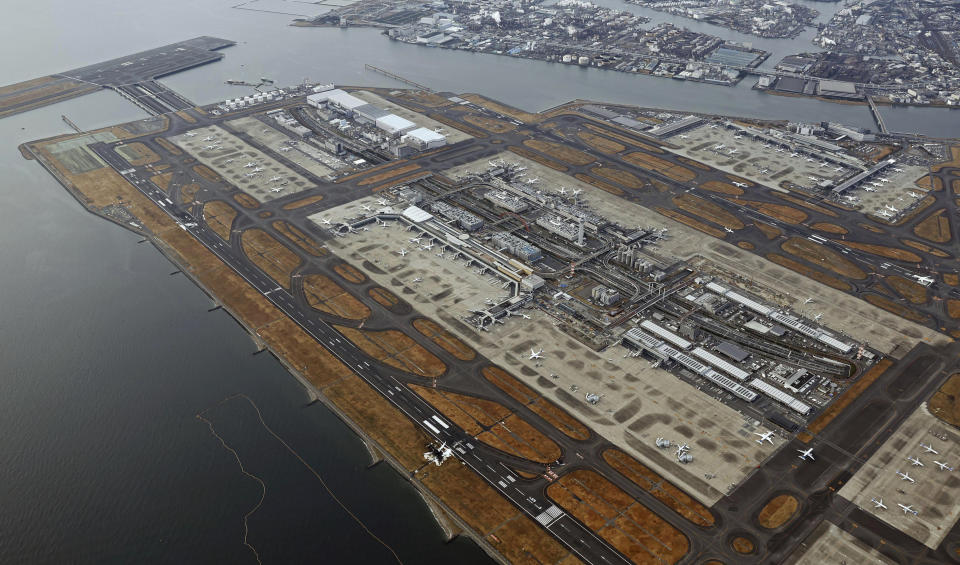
[
  {"x": 490, "y": 124},
  {"x": 771, "y": 232},
  {"x": 601, "y": 143},
  {"x": 396, "y": 349},
  {"x": 828, "y": 545},
  {"x": 162, "y": 181},
  {"x": 219, "y": 216},
  {"x": 600, "y": 184},
  {"x": 275, "y": 259},
  {"x": 692, "y": 222},
  {"x": 945, "y": 403},
  {"x": 499, "y": 108},
  {"x": 778, "y": 511},
  {"x": 38, "y": 92},
  {"x": 524, "y": 152},
  {"x": 630, "y": 140},
  {"x": 554, "y": 415},
  {"x": 439, "y": 335},
  {"x": 667, "y": 493},
  {"x": 327, "y": 296},
  {"x": 623, "y": 522},
  {"x": 169, "y": 147},
  {"x": 896, "y": 308},
  {"x": 808, "y": 271}
]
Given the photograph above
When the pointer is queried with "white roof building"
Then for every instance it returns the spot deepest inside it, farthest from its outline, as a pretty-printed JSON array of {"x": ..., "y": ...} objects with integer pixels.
[
  {"x": 394, "y": 124},
  {"x": 426, "y": 138}
]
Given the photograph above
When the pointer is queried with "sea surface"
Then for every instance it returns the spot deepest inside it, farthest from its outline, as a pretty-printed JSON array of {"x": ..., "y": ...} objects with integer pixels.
[{"x": 106, "y": 357}]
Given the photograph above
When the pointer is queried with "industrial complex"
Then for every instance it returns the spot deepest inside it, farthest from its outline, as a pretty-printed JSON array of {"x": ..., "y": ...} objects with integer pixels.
[{"x": 602, "y": 333}]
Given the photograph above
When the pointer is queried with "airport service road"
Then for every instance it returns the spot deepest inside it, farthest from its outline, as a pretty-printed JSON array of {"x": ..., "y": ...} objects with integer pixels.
[{"x": 483, "y": 460}]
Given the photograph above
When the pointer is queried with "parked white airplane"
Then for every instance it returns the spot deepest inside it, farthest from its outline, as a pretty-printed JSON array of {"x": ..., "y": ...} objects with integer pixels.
[
  {"x": 897, "y": 170},
  {"x": 275, "y": 179},
  {"x": 810, "y": 159},
  {"x": 883, "y": 179},
  {"x": 190, "y": 134},
  {"x": 913, "y": 195},
  {"x": 814, "y": 179},
  {"x": 817, "y": 317},
  {"x": 248, "y": 175},
  {"x": 258, "y": 169},
  {"x": 228, "y": 161},
  {"x": 824, "y": 164},
  {"x": 869, "y": 189},
  {"x": 208, "y": 138},
  {"x": 534, "y": 354},
  {"x": 929, "y": 448},
  {"x": 250, "y": 165},
  {"x": 719, "y": 147},
  {"x": 794, "y": 154},
  {"x": 838, "y": 169},
  {"x": 878, "y": 503},
  {"x": 325, "y": 221},
  {"x": 381, "y": 202},
  {"x": 891, "y": 208},
  {"x": 763, "y": 171},
  {"x": 943, "y": 466},
  {"x": 781, "y": 150},
  {"x": 915, "y": 461},
  {"x": 210, "y": 147},
  {"x": 804, "y": 453},
  {"x": 277, "y": 189},
  {"x": 713, "y": 126},
  {"x": 732, "y": 151},
  {"x": 367, "y": 208},
  {"x": 884, "y": 214},
  {"x": 728, "y": 230},
  {"x": 924, "y": 280},
  {"x": 402, "y": 252},
  {"x": 285, "y": 149},
  {"x": 427, "y": 247},
  {"x": 418, "y": 279},
  {"x": 908, "y": 509},
  {"x": 415, "y": 239},
  {"x": 740, "y": 184},
  {"x": 766, "y": 436},
  {"x": 905, "y": 477},
  {"x": 684, "y": 136},
  {"x": 808, "y": 301}
]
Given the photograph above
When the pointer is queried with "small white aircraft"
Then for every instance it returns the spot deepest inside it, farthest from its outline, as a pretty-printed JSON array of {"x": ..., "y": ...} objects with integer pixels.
[
  {"x": 884, "y": 214},
  {"x": 817, "y": 317},
  {"x": 719, "y": 147},
  {"x": 285, "y": 149},
  {"x": 766, "y": 436},
  {"x": 277, "y": 189},
  {"x": 794, "y": 154},
  {"x": 534, "y": 354},
  {"x": 367, "y": 208},
  {"x": 728, "y": 230},
  {"x": 808, "y": 301},
  {"x": 924, "y": 280},
  {"x": 781, "y": 150},
  {"x": 381, "y": 202},
  {"x": 804, "y": 453},
  {"x": 713, "y": 126},
  {"x": 896, "y": 170},
  {"x": 908, "y": 509},
  {"x": 929, "y": 448},
  {"x": 418, "y": 279},
  {"x": 883, "y": 180},
  {"x": 402, "y": 252},
  {"x": 427, "y": 247},
  {"x": 208, "y": 138},
  {"x": 732, "y": 151},
  {"x": 868, "y": 189},
  {"x": 228, "y": 161},
  {"x": 275, "y": 179},
  {"x": 814, "y": 179},
  {"x": 740, "y": 184},
  {"x": 248, "y": 175},
  {"x": 763, "y": 171},
  {"x": 250, "y": 165},
  {"x": 943, "y": 466},
  {"x": 905, "y": 477},
  {"x": 913, "y": 195},
  {"x": 891, "y": 208},
  {"x": 915, "y": 461},
  {"x": 190, "y": 134},
  {"x": 258, "y": 170},
  {"x": 325, "y": 221},
  {"x": 810, "y": 159},
  {"x": 526, "y": 317},
  {"x": 684, "y": 136},
  {"x": 878, "y": 503},
  {"x": 838, "y": 169},
  {"x": 415, "y": 239},
  {"x": 210, "y": 147}
]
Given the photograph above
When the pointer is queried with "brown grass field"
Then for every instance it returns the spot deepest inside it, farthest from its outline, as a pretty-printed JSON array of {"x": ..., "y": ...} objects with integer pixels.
[
  {"x": 219, "y": 216},
  {"x": 953, "y": 162},
  {"x": 247, "y": 201},
  {"x": 626, "y": 139},
  {"x": 439, "y": 335},
  {"x": 955, "y": 186},
  {"x": 945, "y": 403},
  {"x": 935, "y": 227},
  {"x": 490, "y": 124},
  {"x": 863, "y": 382},
  {"x": 808, "y": 271},
  {"x": 662, "y": 166},
  {"x": 516, "y": 435},
  {"x": 396, "y": 349},
  {"x": 919, "y": 246},
  {"x": 167, "y": 146},
  {"x": 870, "y": 228},
  {"x": 742, "y": 545},
  {"x": 914, "y": 292},
  {"x": 769, "y": 231},
  {"x": 554, "y": 415},
  {"x": 379, "y": 167},
  {"x": 514, "y": 113},
  {"x": 401, "y": 180},
  {"x": 162, "y": 181},
  {"x": 707, "y": 210},
  {"x": 638, "y": 533},
  {"x": 692, "y": 222},
  {"x": 302, "y": 351},
  {"x": 808, "y": 205},
  {"x": 778, "y": 511},
  {"x": 350, "y": 273},
  {"x": 600, "y": 143},
  {"x": 323, "y": 294},
  {"x": 387, "y": 175},
  {"x": 560, "y": 152},
  {"x": 930, "y": 183},
  {"x": 953, "y": 308},
  {"x": 746, "y": 245},
  {"x": 137, "y": 154},
  {"x": 952, "y": 279},
  {"x": 895, "y": 308},
  {"x": 206, "y": 172},
  {"x": 303, "y": 202},
  {"x": 694, "y": 164},
  {"x": 782, "y": 212},
  {"x": 619, "y": 176},
  {"x": 823, "y": 257},
  {"x": 827, "y": 227},
  {"x": 644, "y": 477},
  {"x": 883, "y": 251},
  {"x": 301, "y": 239},
  {"x": 189, "y": 191},
  {"x": 265, "y": 214},
  {"x": 384, "y": 297},
  {"x": 272, "y": 257},
  {"x": 39, "y": 92},
  {"x": 534, "y": 156},
  {"x": 599, "y": 184},
  {"x": 722, "y": 188}
]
